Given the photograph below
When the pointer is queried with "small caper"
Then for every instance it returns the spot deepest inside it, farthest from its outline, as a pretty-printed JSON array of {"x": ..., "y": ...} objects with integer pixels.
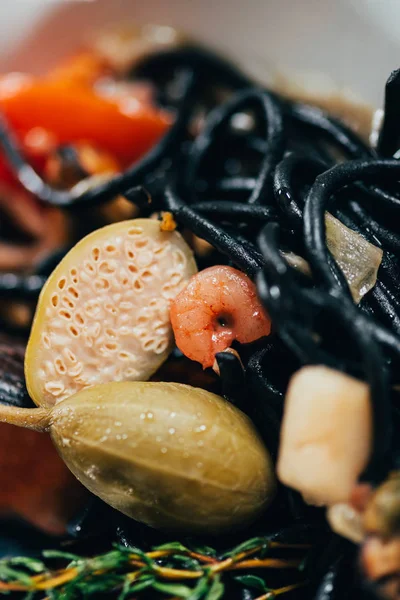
[{"x": 382, "y": 514}]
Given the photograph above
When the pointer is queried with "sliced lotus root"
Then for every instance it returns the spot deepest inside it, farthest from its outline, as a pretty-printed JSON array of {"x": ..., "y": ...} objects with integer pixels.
[{"x": 103, "y": 315}]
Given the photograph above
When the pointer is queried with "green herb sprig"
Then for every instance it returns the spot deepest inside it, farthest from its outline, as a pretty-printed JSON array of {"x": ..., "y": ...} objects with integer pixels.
[{"x": 171, "y": 571}]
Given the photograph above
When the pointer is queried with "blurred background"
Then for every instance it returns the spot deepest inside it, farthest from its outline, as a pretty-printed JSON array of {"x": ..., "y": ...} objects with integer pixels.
[{"x": 349, "y": 44}]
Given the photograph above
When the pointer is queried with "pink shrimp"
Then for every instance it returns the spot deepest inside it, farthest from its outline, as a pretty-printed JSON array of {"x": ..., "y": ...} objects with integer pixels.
[{"x": 219, "y": 305}]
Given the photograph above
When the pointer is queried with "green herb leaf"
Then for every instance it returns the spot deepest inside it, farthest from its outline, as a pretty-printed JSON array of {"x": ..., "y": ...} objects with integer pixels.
[
  {"x": 186, "y": 561},
  {"x": 174, "y": 589},
  {"x": 248, "y": 545},
  {"x": 253, "y": 582},
  {"x": 109, "y": 561},
  {"x": 132, "y": 587},
  {"x": 126, "y": 590},
  {"x": 97, "y": 585},
  {"x": 207, "y": 550},
  {"x": 172, "y": 546},
  {"x": 58, "y": 554},
  {"x": 305, "y": 563},
  {"x": 134, "y": 550},
  {"x": 216, "y": 590},
  {"x": 201, "y": 588},
  {"x": 9, "y": 574},
  {"x": 32, "y": 564},
  {"x": 115, "y": 572}
]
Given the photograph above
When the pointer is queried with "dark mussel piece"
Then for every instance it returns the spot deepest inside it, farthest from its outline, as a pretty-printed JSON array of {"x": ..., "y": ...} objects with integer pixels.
[{"x": 12, "y": 381}]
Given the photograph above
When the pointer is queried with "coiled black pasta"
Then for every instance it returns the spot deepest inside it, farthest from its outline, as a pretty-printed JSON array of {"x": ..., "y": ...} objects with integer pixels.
[
  {"x": 318, "y": 202},
  {"x": 389, "y": 137},
  {"x": 284, "y": 187},
  {"x": 335, "y": 583},
  {"x": 270, "y": 114},
  {"x": 291, "y": 201},
  {"x": 252, "y": 193},
  {"x": 232, "y": 211},
  {"x": 331, "y": 129},
  {"x": 209, "y": 66},
  {"x": 245, "y": 259},
  {"x": 388, "y": 239},
  {"x": 232, "y": 377}
]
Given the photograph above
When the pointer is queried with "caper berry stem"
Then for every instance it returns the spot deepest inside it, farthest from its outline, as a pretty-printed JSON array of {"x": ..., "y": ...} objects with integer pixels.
[
  {"x": 37, "y": 419},
  {"x": 283, "y": 590},
  {"x": 270, "y": 563}
]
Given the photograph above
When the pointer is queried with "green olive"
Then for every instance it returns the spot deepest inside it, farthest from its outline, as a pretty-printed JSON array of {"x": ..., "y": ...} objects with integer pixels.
[{"x": 169, "y": 455}]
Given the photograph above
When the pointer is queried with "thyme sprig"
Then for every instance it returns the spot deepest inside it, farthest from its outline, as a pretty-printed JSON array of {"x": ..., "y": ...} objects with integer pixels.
[{"x": 171, "y": 571}]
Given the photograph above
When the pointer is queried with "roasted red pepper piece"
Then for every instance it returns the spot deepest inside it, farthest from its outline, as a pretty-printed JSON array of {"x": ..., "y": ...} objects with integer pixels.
[
  {"x": 123, "y": 125},
  {"x": 35, "y": 483}
]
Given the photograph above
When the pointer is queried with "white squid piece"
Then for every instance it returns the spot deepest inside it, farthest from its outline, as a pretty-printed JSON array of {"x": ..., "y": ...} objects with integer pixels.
[{"x": 326, "y": 434}]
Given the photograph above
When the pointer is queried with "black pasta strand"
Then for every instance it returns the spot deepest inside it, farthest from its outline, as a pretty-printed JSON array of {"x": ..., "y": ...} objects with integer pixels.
[
  {"x": 210, "y": 67},
  {"x": 232, "y": 377},
  {"x": 255, "y": 368},
  {"x": 283, "y": 189},
  {"x": 381, "y": 298},
  {"x": 285, "y": 172},
  {"x": 384, "y": 202},
  {"x": 278, "y": 292},
  {"x": 385, "y": 304},
  {"x": 26, "y": 174},
  {"x": 384, "y": 336},
  {"x": 239, "y": 238},
  {"x": 268, "y": 110},
  {"x": 318, "y": 201},
  {"x": 389, "y": 137},
  {"x": 246, "y": 260},
  {"x": 232, "y": 211},
  {"x": 329, "y": 128},
  {"x": 335, "y": 584},
  {"x": 387, "y": 238}
]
